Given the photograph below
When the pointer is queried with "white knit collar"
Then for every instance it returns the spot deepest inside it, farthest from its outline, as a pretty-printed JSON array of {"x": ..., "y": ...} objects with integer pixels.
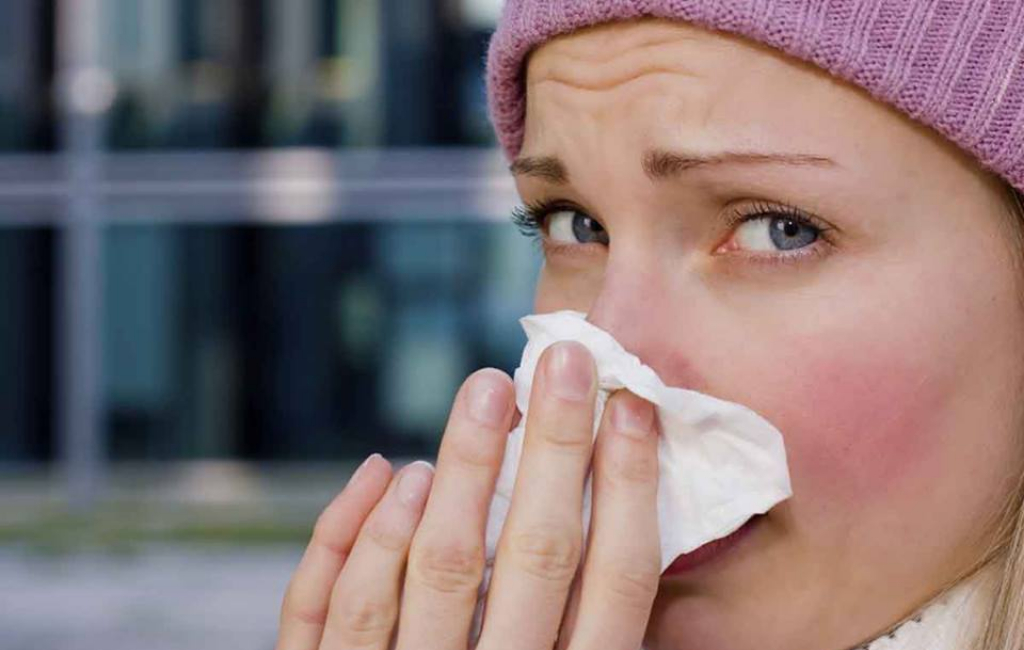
[{"x": 950, "y": 622}]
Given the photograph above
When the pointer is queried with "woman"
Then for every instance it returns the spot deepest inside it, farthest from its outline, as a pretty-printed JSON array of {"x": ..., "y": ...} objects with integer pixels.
[{"x": 804, "y": 207}]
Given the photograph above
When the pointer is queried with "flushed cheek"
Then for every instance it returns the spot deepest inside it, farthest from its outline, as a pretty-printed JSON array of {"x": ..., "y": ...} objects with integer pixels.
[{"x": 856, "y": 425}]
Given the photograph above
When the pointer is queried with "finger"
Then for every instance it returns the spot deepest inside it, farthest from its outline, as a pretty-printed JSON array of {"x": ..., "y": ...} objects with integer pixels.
[
  {"x": 446, "y": 560},
  {"x": 304, "y": 608},
  {"x": 540, "y": 546},
  {"x": 364, "y": 601},
  {"x": 572, "y": 610},
  {"x": 622, "y": 566}
]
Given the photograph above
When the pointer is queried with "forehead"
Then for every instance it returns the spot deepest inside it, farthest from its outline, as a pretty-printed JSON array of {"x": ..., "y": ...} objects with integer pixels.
[{"x": 641, "y": 83}]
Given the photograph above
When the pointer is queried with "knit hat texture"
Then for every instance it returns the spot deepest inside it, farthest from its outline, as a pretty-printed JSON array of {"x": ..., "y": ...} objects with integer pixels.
[{"x": 954, "y": 65}]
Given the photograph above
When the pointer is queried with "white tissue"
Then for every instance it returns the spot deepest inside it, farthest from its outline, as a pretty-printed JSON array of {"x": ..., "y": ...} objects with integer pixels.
[{"x": 719, "y": 463}]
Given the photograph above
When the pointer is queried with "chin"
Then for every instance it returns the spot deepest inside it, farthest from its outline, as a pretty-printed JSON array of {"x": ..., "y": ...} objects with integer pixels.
[
  {"x": 695, "y": 623},
  {"x": 705, "y": 623},
  {"x": 735, "y": 601}
]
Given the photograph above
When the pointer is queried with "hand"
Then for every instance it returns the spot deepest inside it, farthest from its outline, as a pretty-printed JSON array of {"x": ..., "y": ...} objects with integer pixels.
[{"x": 384, "y": 555}]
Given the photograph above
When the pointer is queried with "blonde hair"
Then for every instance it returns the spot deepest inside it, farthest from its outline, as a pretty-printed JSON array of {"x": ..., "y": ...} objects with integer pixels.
[{"x": 1003, "y": 628}]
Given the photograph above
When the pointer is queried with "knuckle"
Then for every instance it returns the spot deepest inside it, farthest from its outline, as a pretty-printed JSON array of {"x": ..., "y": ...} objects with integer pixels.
[
  {"x": 449, "y": 567},
  {"x": 365, "y": 619},
  {"x": 387, "y": 537},
  {"x": 561, "y": 435},
  {"x": 290, "y": 610},
  {"x": 338, "y": 551},
  {"x": 550, "y": 554},
  {"x": 321, "y": 538},
  {"x": 475, "y": 451},
  {"x": 632, "y": 585},
  {"x": 322, "y": 523},
  {"x": 628, "y": 468}
]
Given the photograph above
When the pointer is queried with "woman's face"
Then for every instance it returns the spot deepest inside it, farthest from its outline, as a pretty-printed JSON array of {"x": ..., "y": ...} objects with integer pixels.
[{"x": 867, "y": 306}]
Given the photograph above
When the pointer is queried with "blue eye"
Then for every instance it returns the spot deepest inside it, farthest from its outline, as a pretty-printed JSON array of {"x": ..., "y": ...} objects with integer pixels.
[
  {"x": 776, "y": 234},
  {"x": 572, "y": 227},
  {"x": 558, "y": 223}
]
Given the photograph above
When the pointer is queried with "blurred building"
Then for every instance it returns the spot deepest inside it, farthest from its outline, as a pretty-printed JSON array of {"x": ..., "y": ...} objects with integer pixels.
[{"x": 245, "y": 229}]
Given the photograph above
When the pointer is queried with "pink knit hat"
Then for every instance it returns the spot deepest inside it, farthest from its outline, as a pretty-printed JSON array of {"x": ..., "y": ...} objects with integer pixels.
[{"x": 955, "y": 65}]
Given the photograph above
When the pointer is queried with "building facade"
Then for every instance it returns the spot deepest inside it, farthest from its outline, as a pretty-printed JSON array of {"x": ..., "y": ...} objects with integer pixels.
[{"x": 262, "y": 231}]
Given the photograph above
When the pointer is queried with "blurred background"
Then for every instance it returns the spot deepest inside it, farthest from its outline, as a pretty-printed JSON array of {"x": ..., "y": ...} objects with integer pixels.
[{"x": 243, "y": 244}]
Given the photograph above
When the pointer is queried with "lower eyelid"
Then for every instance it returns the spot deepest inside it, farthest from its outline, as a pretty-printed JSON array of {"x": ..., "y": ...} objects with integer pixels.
[
  {"x": 571, "y": 250},
  {"x": 818, "y": 250}
]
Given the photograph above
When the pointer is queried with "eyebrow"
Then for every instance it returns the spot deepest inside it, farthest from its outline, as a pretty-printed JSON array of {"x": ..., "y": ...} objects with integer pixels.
[{"x": 660, "y": 164}]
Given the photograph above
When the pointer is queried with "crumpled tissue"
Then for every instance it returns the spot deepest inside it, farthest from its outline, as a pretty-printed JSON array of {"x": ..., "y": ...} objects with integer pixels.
[{"x": 719, "y": 463}]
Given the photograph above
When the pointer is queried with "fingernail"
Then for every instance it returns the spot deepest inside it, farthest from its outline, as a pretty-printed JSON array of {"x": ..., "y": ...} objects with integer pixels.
[
  {"x": 488, "y": 400},
  {"x": 361, "y": 470},
  {"x": 570, "y": 371},
  {"x": 632, "y": 416},
  {"x": 414, "y": 484}
]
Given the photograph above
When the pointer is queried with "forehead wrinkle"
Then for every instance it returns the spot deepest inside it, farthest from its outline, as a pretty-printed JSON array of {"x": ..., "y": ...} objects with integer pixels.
[
  {"x": 609, "y": 84},
  {"x": 606, "y": 41},
  {"x": 586, "y": 73},
  {"x": 603, "y": 81},
  {"x": 604, "y": 53}
]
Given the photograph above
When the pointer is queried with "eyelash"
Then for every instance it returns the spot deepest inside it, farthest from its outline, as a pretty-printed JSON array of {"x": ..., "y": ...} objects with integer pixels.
[{"x": 530, "y": 219}]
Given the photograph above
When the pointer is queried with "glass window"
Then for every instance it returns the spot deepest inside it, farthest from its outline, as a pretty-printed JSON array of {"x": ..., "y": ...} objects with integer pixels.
[
  {"x": 26, "y": 72},
  {"x": 303, "y": 342},
  {"x": 338, "y": 73},
  {"x": 26, "y": 262}
]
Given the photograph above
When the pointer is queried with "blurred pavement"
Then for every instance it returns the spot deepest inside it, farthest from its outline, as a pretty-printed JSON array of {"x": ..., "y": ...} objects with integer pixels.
[
  {"x": 164, "y": 598},
  {"x": 189, "y": 556}
]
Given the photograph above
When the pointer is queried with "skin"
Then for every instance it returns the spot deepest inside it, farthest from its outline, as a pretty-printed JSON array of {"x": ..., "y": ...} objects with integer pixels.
[{"x": 880, "y": 351}]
